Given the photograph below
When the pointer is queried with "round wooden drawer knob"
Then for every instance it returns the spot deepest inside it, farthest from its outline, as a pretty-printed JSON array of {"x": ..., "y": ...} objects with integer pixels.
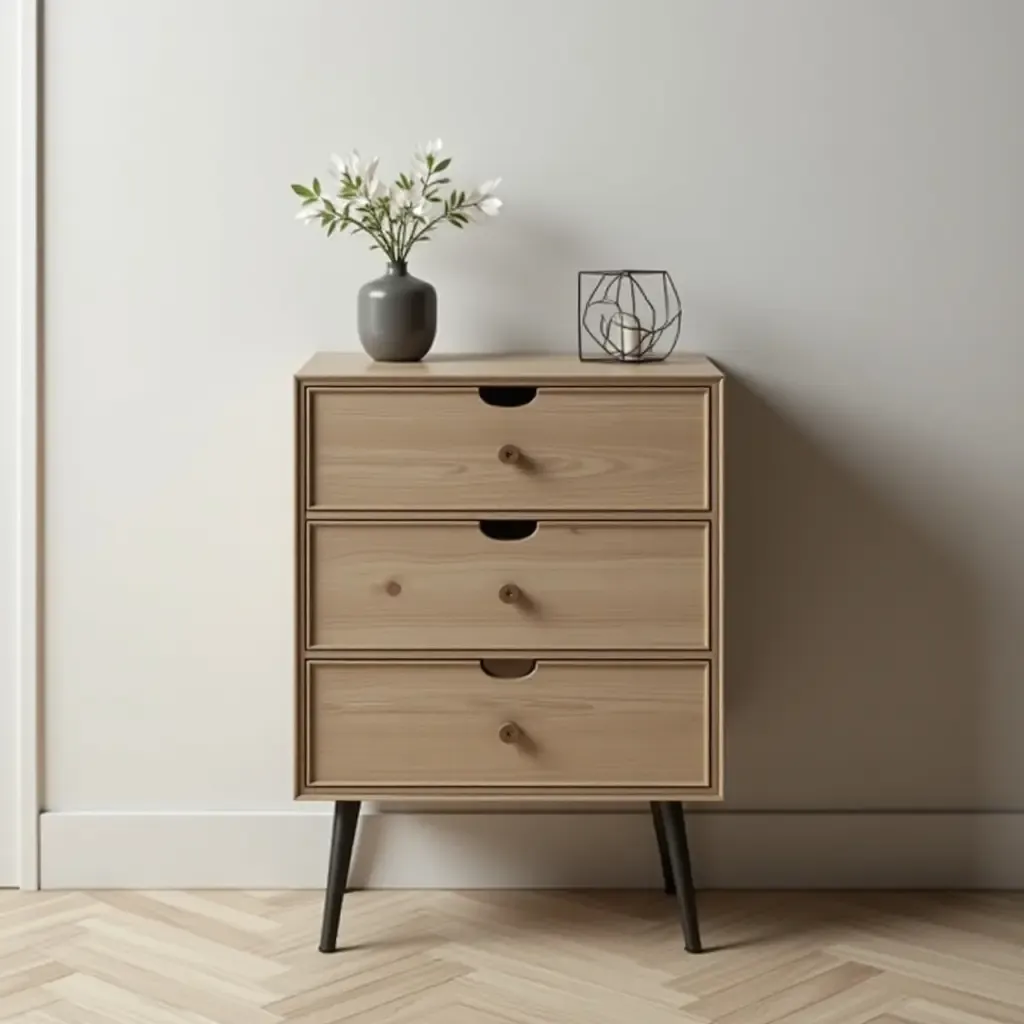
[
  {"x": 509, "y": 733},
  {"x": 510, "y": 593},
  {"x": 509, "y": 453}
]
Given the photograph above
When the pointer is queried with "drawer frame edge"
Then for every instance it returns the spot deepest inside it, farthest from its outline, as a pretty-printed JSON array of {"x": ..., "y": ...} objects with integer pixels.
[
  {"x": 707, "y": 510},
  {"x": 304, "y": 516}
]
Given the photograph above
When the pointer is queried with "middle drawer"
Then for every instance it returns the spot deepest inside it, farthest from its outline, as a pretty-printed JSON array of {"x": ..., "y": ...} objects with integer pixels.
[{"x": 500, "y": 586}]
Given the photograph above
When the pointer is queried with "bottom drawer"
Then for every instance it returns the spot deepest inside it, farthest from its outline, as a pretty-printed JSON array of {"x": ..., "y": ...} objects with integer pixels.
[{"x": 398, "y": 725}]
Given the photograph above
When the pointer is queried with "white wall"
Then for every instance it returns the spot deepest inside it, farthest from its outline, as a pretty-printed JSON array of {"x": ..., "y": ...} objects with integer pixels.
[
  {"x": 836, "y": 188},
  {"x": 8, "y": 422}
]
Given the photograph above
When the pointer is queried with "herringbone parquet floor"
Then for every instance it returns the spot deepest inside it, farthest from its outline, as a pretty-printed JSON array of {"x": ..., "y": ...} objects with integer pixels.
[{"x": 510, "y": 958}]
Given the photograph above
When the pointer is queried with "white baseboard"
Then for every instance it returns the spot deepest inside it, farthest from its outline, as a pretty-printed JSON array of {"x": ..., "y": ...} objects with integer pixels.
[{"x": 510, "y": 850}]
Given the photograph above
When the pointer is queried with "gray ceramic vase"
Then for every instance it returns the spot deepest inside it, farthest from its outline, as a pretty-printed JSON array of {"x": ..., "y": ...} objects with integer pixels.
[{"x": 397, "y": 316}]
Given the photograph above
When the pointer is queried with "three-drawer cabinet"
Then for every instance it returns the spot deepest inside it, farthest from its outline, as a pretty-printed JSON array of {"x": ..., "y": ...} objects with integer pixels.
[{"x": 509, "y": 586}]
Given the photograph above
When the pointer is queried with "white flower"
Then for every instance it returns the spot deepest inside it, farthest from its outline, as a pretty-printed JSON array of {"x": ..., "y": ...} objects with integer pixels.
[
  {"x": 485, "y": 191},
  {"x": 490, "y": 205},
  {"x": 408, "y": 199},
  {"x": 431, "y": 149},
  {"x": 337, "y": 166},
  {"x": 370, "y": 177},
  {"x": 399, "y": 201},
  {"x": 354, "y": 165},
  {"x": 308, "y": 213}
]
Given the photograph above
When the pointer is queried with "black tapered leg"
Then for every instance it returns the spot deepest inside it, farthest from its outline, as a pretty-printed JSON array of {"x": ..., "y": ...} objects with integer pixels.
[
  {"x": 674, "y": 824},
  {"x": 343, "y": 837},
  {"x": 666, "y": 864}
]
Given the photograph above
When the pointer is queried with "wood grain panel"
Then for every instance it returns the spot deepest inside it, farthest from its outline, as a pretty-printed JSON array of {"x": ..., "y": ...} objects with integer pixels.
[
  {"x": 512, "y": 957},
  {"x": 424, "y": 585},
  {"x": 576, "y": 723},
  {"x": 356, "y": 368},
  {"x": 718, "y": 576},
  {"x": 611, "y": 455},
  {"x": 574, "y": 448}
]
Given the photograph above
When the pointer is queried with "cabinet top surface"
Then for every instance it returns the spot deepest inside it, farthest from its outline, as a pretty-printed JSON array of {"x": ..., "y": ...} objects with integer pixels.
[{"x": 353, "y": 368}]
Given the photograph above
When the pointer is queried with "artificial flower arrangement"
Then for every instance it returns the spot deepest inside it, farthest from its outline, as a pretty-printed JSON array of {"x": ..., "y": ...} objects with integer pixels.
[{"x": 397, "y": 217}]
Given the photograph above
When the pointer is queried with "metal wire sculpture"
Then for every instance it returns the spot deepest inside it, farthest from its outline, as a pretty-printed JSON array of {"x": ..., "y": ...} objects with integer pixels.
[{"x": 629, "y": 315}]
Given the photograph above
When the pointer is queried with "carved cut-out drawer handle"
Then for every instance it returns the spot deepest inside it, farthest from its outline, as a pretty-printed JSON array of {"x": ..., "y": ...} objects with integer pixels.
[
  {"x": 508, "y": 529},
  {"x": 510, "y": 733},
  {"x": 509, "y": 397},
  {"x": 508, "y": 668},
  {"x": 509, "y": 593},
  {"x": 509, "y": 454}
]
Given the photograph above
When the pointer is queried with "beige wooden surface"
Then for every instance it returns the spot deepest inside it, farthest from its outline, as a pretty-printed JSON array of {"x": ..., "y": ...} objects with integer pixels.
[
  {"x": 576, "y": 449},
  {"x": 576, "y": 723},
  {"x": 718, "y": 627},
  {"x": 511, "y": 958},
  {"x": 346, "y": 367},
  {"x": 438, "y": 584},
  {"x": 398, "y": 464}
]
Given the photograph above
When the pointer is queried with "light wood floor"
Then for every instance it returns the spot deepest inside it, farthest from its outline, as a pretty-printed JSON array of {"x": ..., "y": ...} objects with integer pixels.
[{"x": 510, "y": 958}]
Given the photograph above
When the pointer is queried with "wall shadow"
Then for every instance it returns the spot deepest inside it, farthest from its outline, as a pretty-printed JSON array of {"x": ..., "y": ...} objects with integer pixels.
[{"x": 853, "y": 634}]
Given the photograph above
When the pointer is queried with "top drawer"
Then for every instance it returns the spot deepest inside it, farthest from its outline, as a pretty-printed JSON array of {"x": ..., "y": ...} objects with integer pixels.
[{"x": 508, "y": 448}]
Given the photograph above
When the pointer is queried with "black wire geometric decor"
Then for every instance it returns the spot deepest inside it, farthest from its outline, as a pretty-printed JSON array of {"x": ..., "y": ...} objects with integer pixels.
[{"x": 629, "y": 316}]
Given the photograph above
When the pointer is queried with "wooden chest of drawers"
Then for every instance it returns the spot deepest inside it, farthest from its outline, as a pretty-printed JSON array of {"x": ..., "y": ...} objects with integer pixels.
[{"x": 509, "y": 579}]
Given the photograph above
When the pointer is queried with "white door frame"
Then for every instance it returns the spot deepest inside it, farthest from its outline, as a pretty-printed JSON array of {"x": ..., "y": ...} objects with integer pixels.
[{"x": 29, "y": 342}]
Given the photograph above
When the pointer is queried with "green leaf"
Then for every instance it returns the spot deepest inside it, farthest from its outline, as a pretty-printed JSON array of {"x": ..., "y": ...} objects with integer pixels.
[
  {"x": 442, "y": 181},
  {"x": 311, "y": 199},
  {"x": 301, "y": 190},
  {"x": 330, "y": 230},
  {"x": 456, "y": 223},
  {"x": 443, "y": 165},
  {"x": 330, "y": 206},
  {"x": 430, "y": 161},
  {"x": 454, "y": 201},
  {"x": 462, "y": 198}
]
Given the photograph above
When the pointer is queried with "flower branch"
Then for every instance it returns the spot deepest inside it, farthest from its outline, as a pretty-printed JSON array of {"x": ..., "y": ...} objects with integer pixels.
[{"x": 398, "y": 217}]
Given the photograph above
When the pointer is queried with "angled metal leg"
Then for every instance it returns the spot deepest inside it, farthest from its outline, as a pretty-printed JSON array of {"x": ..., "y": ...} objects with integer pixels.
[
  {"x": 343, "y": 837},
  {"x": 666, "y": 864},
  {"x": 679, "y": 857}
]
